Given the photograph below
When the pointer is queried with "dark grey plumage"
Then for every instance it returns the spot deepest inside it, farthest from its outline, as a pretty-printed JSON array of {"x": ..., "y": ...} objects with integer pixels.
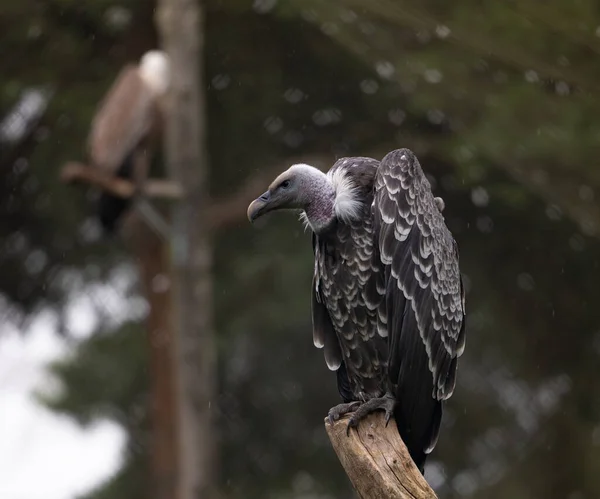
[{"x": 388, "y": 303}]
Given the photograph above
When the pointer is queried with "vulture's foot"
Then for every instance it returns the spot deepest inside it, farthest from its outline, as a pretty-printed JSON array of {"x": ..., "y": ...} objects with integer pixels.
[
  {"x": 338, "y": 411},
  {"x": 386, "y": 403}
]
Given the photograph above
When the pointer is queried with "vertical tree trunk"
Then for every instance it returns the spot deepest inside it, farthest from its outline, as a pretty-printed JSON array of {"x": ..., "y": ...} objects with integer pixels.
[
  {"x": 152, "y": 255},
  {"x": 181, "y": 27}
]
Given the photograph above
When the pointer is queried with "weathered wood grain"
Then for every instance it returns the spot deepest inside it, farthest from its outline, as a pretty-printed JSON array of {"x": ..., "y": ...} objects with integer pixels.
[{"x": 377, "y": 461}]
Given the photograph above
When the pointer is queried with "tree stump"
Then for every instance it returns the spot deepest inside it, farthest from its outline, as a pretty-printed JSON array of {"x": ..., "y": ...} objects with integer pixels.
[{"x": 377, "y": 461}]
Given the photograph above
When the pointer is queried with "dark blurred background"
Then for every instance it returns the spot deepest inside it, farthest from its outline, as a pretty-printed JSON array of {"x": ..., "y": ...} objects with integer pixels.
[{"x": 499, "y": 100}]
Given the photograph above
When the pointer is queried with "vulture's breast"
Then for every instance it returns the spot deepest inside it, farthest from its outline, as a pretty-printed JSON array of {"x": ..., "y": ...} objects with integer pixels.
[{"x": 350, "y": 280}]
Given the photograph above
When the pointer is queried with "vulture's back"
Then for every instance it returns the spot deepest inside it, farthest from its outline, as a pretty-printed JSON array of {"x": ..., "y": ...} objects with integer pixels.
[{"x": 124, "y": 117}]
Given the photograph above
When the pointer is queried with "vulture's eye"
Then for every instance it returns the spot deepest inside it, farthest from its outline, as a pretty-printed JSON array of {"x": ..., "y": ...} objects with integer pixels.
[{"x": 285, "y": 184}]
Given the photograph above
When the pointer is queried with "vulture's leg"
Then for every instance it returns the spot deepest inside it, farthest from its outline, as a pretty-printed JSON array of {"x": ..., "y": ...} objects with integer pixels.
[
  {"x": 338, "y": 411},
  {"x": 386, "y": 403}
]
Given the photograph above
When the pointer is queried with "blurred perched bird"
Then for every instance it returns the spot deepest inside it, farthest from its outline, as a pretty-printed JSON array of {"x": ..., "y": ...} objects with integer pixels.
[
  {"x": 125, "y": 126},
  {"x": 387, "y": 297}
]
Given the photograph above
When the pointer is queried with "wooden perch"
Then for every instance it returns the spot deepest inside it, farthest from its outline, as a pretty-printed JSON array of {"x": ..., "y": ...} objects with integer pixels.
[
  {"x": 222, "y": 213},
  {"x": 377, "y": 461},
  {"x": 75, "y": 172}
]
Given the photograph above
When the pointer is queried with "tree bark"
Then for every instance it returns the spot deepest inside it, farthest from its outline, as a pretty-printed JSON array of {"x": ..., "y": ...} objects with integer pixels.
[
  {"x": 377, "y": 461},
  {"x": 180, "y": 24},
  {"x": 152, "y": 255}
]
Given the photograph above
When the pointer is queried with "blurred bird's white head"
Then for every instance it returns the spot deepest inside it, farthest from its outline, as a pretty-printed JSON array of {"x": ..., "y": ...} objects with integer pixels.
[{"x": 155, "y": 71}]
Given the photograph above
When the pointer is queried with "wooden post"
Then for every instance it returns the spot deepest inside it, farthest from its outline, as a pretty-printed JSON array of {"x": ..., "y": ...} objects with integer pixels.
[
  {"x": 181, "y": 26},
  {"x": 377, "y": 461}
]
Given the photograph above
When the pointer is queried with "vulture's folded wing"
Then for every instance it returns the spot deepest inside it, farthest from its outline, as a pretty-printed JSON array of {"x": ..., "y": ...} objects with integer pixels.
[
  {"x": 323, "y": 333},
  {"x": 124, "y": 117},
  {"x": 425, "y": 299}
]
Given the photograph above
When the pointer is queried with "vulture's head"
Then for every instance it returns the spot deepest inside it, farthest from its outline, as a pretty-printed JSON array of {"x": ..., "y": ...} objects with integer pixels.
[
  {"x": 301, "y": 187},
  {"x": 155, "y": 70}
]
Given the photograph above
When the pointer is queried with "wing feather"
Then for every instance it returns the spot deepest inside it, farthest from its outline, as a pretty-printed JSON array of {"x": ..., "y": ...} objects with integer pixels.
[
  {"x": 424, "y": 306},
  {"x": 423, "y": 259},
  {"x": 323, "y": 333},
  {"x": 124, "y": 117}
]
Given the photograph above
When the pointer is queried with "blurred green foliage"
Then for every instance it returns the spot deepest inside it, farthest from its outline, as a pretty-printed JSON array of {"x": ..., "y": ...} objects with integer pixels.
[{"x": 498, "y": 100}]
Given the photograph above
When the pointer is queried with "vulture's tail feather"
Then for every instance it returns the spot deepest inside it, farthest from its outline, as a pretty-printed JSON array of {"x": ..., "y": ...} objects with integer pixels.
[{"x": 418, "y": 414}]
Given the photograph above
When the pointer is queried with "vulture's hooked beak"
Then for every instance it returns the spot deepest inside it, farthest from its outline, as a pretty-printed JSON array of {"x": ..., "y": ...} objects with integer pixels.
[{"x": 259, "y": 206}]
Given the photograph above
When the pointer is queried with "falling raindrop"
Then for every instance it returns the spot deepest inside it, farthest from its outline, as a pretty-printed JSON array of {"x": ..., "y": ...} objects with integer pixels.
[
  {"x": 348, "y": 16},
  {"x": 465, "y": 483},
  {"x": 577, "y": 242},
  {"x": 485, "y": 224},
  {"x": 586, "y": 193},
  {"x": 587, "y": 225},
  {"x": 433, "y": 76},
  {"x": 117, "y": 17},
  {"x": 367, "y": 28},
  {"x": 423, "y": 36},
  {"x": 34, "y": 32},
  {"x": 329, "y": 116},
  {"x": 562, "y": 88},
  {"x": 293, "y": 138},
  {"x": 309, "y": 15},
  {"x": 369, "y": 86},
  {"x": 303, "y": 484},
  {"x": 596, "y": 342},
  {"x": 480, "y": 196},
  {"x": 436, "y": 475},
  {"x": 464, "y": 153},
  {"x": 31, "y": 185},
  {"x": 20, "y": 166},
  {"x": 273, "y": 124},
  {"x": 42, "y": 133},
  {"x": 293, "y": 95},
  {"x": 396, "y": 116},
  {"x": 500, "y": 77},
  {"x": 525, "y": 281},
  {"x": 221, "y": 81},
  {"x": 329, "y": 28},
  {"x": 553, "y": 212},
  {"x": 36, "y": 261},
  {"x": 442, "y": 31},
  {"x": 435, "y": 116},
  {"x": 63, "y": 121},
  {"x": 466, "y": 283},
  {"x": 263, "y": 6},
  {"x": 539, "y": 177},
  {"x": 90, "y": 230},
  {"x": 531, "y": 76},
  {"x": 385, "y": 69},
  {"x": 160, "y": 283}
]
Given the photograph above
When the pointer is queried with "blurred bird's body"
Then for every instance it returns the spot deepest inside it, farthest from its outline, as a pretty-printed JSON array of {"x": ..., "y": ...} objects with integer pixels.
[
  {"x": 387, "y": 296},
  {"x": 126, "y": 126}
]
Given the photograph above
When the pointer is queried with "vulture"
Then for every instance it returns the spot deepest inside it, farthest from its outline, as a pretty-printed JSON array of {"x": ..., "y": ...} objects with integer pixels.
[
  {"x": 388, "y": 303},
  {"x": 126, "y": 125}
]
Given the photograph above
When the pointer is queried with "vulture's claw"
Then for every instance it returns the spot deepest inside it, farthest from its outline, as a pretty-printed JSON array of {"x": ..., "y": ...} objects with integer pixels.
[
  {"x": 386, "y": 403},
  {"x": 338, "y": 411}
]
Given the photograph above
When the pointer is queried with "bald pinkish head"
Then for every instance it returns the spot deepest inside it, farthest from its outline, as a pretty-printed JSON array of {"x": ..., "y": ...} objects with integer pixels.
[
  {"x": 300, "y": 187},
  {"x": 155, "y": 70}
]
